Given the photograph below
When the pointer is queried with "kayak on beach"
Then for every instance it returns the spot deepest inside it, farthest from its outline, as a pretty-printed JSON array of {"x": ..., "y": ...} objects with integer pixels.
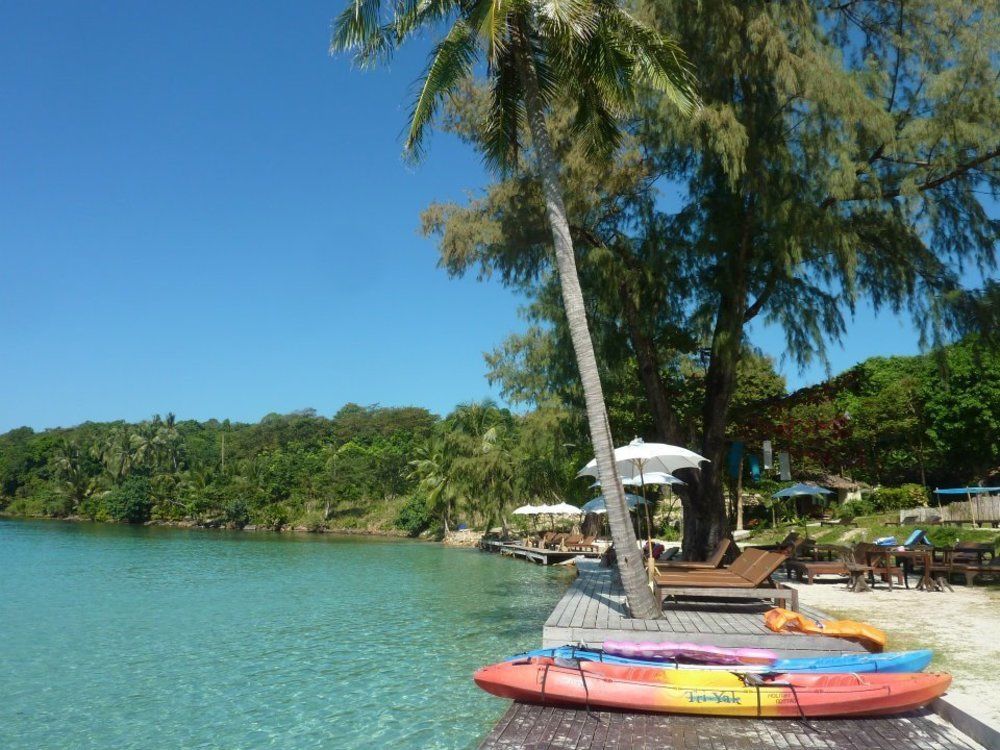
[
  {"x": 570, "y": 682},
  {"x": 890, "y": 661}
]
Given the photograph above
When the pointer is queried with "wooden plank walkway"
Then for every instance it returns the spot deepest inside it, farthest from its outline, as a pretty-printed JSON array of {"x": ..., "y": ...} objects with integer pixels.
[
  {"x": 544, "y": 556},
  {"x": 527, "y": 727},
  {"x": 593, "y": 610}
]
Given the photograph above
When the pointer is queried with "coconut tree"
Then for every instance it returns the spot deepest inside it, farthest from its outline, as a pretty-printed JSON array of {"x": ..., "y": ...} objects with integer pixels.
[{"x": 589, "y": 55}]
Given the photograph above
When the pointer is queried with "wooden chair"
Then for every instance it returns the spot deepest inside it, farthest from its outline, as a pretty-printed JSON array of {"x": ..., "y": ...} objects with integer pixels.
[
  {"x": 714, "y": 560},
  {"x": 583, "y": 544},
  {"x": 556, "y": 541},
  {"x": 569, "y": 541},
  {"x": 749, "y": 577}
]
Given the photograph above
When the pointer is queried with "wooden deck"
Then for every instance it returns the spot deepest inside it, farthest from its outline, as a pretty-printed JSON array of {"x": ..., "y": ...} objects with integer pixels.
[
  {"x": 593, "y": 611},
  {"x": 544, "y": 556},
  {"x": 527, "y": 727}
]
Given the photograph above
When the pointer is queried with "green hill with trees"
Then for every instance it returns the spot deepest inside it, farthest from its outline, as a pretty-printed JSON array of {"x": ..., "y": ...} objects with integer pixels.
[{"x": 928, "y": 420}]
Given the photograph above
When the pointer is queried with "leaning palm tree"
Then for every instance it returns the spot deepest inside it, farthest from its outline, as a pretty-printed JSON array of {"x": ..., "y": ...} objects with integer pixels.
[{"x": 589, "y": 55}]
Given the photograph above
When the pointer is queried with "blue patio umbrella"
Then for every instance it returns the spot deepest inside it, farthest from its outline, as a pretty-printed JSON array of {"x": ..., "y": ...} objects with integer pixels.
[
  {"x": 597, "y": 505},
  {"x": 802, "y": 489}
]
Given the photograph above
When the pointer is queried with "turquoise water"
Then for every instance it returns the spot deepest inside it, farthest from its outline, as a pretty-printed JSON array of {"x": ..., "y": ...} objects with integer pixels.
[{"x": 119, "y": 637}]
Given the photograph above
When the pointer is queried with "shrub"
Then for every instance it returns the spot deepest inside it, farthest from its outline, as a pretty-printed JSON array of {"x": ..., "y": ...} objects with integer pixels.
[
  {"x": 273, "y": 516},
  {"x": 236, "y": 512},
  {"x": 899, "y": 498},
  {"x": 130, "y": 501},
  {"x": 669, "y": 533},
  {"x": 943, "y": 536},
  {"x": 314, "y": 520},
  {"x": 852, "y": 508},
  {"x": 414, "y": 516}
]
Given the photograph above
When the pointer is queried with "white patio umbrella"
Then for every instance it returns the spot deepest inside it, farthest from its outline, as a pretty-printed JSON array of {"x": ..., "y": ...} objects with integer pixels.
[
  {"x": 530, "y": 510},
  {"x": 562, "y": 509},
  {"x": 639, "y": 457},
  {"x": 597, "y": 482}
]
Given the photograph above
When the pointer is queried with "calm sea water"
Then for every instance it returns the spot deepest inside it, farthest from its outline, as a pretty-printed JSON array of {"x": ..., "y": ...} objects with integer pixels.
[{"x": 119, "y": 637}]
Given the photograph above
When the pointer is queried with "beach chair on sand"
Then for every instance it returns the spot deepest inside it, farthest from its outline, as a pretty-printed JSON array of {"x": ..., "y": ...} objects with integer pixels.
[
  {"x": 714, "y": 560},
  {"x": 749, "y": 577},
  {"x": 809, "y": 568}
]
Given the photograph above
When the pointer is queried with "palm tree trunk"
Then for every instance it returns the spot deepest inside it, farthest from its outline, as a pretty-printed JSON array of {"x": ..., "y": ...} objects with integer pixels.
[{"x": 640, "y": 598}]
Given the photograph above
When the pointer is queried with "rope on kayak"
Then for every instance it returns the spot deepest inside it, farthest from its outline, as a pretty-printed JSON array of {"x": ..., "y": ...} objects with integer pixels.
[
  {"x": 752, "y": 680},
  {"x": 586, "y": 688}
]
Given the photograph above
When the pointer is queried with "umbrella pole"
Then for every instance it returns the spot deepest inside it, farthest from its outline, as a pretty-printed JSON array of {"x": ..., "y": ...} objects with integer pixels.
[{"x": 651, "y": 565}]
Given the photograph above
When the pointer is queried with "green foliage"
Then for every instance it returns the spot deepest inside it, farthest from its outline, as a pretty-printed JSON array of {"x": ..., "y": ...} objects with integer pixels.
[
  {"x": 899, "y": 498},
  {"x": 856, "y": 508},
  {"x": 414, "y": 516},
  {"x": 368, "y": 468},
  {"x": 236, "y": 512},
  {"x": 130, "y": 502}
]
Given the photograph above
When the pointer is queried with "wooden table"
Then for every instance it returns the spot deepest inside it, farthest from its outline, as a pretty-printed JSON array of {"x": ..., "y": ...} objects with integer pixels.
[{"x": 925, "y": 557}]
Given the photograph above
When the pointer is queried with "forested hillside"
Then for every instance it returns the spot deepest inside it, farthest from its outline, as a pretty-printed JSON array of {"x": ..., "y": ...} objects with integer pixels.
[{"x": 932, "y": 419}]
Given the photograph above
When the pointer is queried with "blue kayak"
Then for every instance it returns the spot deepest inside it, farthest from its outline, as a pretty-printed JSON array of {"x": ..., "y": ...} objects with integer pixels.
[{"x": 899, "y": 661}]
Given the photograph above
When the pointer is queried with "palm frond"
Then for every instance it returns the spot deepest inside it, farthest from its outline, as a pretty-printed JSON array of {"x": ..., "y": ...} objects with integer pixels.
[
  {"x": 359, "y": 29},
  {"x": 597, "y": 127},
  {"x": 413, "y": 15},
  {"x": 502, "y": 136},
  {"x": 490, "y": 19},
  {"x": 450, "y": 62},
  {"x": 658, "y": 61},
  {"x": 576, "y": 17}
]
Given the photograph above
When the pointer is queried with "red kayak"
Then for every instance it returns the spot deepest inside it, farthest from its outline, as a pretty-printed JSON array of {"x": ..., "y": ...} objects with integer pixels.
[{"x": 709, "y": 692}]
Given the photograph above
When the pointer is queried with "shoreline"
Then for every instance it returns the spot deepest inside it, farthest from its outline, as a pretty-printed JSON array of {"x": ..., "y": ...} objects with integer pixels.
[{"x": 249, "y": 528}]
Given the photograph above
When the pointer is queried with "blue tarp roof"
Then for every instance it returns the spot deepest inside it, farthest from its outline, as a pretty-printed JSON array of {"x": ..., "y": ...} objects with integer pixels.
[{"x": 969, "y": 491}]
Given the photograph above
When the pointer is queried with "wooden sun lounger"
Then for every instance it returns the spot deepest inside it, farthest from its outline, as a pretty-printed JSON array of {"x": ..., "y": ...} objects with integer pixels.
[
  {"x": 714, "y": 561},
  {"x": 749, "y": 577}
]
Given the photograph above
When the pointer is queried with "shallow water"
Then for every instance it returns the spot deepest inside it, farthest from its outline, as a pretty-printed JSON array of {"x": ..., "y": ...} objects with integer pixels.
[{"x": 120, "y": 637}]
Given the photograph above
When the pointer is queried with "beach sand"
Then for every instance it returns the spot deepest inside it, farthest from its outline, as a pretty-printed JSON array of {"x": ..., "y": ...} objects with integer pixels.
[{"x": 963, "y": 628}]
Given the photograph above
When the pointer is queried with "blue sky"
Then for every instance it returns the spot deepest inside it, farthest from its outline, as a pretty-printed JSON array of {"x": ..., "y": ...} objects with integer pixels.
[{"x": 202, "y": 212}]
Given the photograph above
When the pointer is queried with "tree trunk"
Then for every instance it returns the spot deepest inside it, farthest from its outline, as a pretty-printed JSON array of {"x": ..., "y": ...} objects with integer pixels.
[
  {"x": 705, "y": 519},
  {"x": 664, "y": 419},
  {"x": 641, "y": 601}
]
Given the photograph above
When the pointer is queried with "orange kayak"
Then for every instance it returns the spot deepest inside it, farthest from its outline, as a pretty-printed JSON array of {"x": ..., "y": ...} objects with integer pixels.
[
  {"x": 710, "y": 693},
  {"x": 786, "y": 621}
]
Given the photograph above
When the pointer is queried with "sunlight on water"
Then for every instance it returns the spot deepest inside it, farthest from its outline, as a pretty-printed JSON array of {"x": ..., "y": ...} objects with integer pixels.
[{"x": 118, "y": 637}]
